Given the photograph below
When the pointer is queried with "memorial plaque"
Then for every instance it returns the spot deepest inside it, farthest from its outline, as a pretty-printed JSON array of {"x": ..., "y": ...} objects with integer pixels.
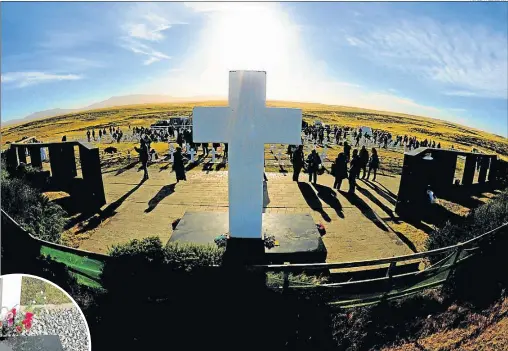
[{"x": 31, "y": 343}]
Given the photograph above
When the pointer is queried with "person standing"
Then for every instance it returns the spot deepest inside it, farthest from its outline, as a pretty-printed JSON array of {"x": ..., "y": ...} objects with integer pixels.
[
  {"x": 100, "y": 135},
  {"x": 93, "y": 134},
  {"x": 340, "y": 170},
  {"x": 205, "y": 149},
  {"x": 373, "y": 164},
  {"x": 298, "y": 161},
  {"x": 225, "y": 151},
  {"x": 347, "y": 151},
  {"x": 178, "y": 166},
  {"x": 88, "y": 134},
  {"x": 216, "y": 147},
  {"x": 143, "y": 157},
  {"x": 313, "y": 162},
  {"x": 179, "y": 138},
  {"x": 364, "y": 160},
  {"x": 354, "y": 170}
]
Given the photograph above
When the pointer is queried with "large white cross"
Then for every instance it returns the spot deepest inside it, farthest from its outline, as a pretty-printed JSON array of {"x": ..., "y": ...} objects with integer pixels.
[{"x": 246, "y": 124}]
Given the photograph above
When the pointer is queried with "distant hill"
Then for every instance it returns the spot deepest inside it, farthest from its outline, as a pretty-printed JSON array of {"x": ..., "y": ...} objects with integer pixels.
[{"x": 135, "y": 99}]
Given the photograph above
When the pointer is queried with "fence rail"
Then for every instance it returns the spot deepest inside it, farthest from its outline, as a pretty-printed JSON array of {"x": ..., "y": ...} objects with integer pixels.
[{"x": 87, "y": 267}]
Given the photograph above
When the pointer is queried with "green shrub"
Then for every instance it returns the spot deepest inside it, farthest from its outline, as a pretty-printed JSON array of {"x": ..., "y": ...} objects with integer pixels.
[
  {"x": 481, "y": 220},
  {"x": 32, "y": 210},
  {"x": 483, "y": 277},
  {"x": 146, "y": 262}
]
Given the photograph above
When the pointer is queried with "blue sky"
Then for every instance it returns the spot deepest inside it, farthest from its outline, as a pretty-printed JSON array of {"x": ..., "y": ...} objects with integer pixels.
[{"x": 442, "y": 60}]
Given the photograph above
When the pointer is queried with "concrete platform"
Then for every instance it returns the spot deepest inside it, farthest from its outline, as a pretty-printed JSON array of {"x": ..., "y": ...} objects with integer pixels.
[{"x": 299, "y": 240}]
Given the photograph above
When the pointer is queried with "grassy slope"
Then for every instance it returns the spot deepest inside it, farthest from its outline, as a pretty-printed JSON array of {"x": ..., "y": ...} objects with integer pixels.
[
  {"x": 481, "y": 332},
  {"x": 75, "y": 125}
]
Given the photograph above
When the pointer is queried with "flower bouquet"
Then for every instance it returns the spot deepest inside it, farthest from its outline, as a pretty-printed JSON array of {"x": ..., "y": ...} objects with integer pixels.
[
  {"x": 321, "y": 229},
  {"x": 12, "y": 324}
]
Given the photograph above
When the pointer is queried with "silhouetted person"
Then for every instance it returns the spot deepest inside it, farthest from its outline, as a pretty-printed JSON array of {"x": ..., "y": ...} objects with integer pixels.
[
  {"x": 340, "y": 170},
  {"x": 179, "y": 138},
  {"x": 93, "y": 134},
  {"x": 100, "y": 134},
  {"x": 298, "y": 161},
  {"x": 373, "y": 164},
  {"x": 354, "y": 170},
  {"x": 226, "y": 150},
  {"x": 64, "y": 138},
  {"x": 364, "y": 160},
  {"x": 178, "y": 166},
  {"x": 313, "y": 162},
  {"x": 88, "y": 135},
  {"x": 205, "y": 148},
  {"x": 347, "y": 151},
  {"x": 143, "y": 151}
]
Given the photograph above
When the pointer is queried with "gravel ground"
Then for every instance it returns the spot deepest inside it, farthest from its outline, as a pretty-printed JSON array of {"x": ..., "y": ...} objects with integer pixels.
[{"x": 67, "y": 323}]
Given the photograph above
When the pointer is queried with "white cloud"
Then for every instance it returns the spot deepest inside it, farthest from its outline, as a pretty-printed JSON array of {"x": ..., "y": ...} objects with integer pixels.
[
  {"x": 261, "y": 36},
  {"x": 466, "y": 61},
  {"x": 24, "y": 79},
  {"x": 460, "y": 93},
  {"x": 139, "y": 48}
]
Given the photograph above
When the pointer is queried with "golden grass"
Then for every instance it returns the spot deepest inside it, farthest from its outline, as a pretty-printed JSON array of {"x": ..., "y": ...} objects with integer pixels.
[{"x": 75, "y": 125}]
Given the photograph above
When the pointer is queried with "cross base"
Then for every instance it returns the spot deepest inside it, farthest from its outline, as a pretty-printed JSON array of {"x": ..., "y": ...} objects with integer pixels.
[{"x": 296, "y": 234}]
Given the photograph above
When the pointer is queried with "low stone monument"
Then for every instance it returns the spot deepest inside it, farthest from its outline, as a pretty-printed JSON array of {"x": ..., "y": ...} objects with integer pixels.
[
  {"x": 192, "y": 152},
  {"x": 213, "y": 155},
  {"x": 171, "y": 154},
  {"x": 247, "y": 125}
]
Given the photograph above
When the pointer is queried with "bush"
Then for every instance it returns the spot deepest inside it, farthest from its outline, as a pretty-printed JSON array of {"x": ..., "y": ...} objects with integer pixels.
[
  {"x": 146, "y": 261},
  {"x": 480, "y": 220},
  {"x": 32, "y": 210},
  {"x": 482, "y": 278}
]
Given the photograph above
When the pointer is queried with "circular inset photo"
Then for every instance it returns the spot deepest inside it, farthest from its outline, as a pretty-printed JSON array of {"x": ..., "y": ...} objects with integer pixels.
[{"x": 37, "y": 315}]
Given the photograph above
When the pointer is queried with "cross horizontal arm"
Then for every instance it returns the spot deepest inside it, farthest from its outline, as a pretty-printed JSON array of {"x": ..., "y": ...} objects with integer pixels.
[
  {"x": 282, "y": 126},
  {"x": 210, "y": 124}
]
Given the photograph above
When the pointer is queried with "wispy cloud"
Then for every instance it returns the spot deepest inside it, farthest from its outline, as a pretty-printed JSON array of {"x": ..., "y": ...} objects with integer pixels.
[
  {"x": 142, "y": 49},
  {"x": 149, "y": 26},
  {"x": 146, "y": 23},
  {"x": 460, "y": 93},
  {"x": 267, "y": 39},
  {"x": 465, "y": 60},
  {"x": 25, "y": 79}
]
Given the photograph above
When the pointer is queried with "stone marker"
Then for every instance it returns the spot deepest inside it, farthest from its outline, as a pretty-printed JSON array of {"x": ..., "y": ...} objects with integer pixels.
[
  {"x": 171, "y": 154},
  {"x": 213, "y": 155},
  {"x": 192, "y": 152},
  {"x": 246, "y": 124},
  {"x": 279, "y": 157},
  {"x": 31, "y": 343}
]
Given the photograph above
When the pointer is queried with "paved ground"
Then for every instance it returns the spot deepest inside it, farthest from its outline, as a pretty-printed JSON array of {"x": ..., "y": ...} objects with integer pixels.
[{"x": 354, "y": 229}]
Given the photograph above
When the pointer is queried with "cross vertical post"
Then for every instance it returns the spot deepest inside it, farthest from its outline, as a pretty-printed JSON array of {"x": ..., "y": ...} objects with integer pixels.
[{"x": 246, "y": 125}]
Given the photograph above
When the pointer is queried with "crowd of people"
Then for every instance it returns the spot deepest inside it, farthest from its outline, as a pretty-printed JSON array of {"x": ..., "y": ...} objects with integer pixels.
[
  {"x": 350, "y": 164},
  {"x": 359, "y": 161},
  {"x": 115, "y": 132},
  {"x": 335, "y": 134}
]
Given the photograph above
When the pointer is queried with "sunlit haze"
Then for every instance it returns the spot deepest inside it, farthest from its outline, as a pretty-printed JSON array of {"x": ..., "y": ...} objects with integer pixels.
[{"x": 448, "y": 61}]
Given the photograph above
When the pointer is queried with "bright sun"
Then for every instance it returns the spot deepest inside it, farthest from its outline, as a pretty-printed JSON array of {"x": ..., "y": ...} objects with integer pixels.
[{"x": 250, "y": 37}]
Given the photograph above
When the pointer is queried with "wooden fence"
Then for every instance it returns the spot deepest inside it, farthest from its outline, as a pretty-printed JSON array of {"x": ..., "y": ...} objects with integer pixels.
[{"x": 344, "y": 292}]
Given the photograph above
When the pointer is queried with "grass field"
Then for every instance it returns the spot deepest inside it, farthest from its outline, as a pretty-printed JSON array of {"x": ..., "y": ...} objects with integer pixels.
[
  {"x": 75, "y": 125},
  {"x": 33, "y": 291}
]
